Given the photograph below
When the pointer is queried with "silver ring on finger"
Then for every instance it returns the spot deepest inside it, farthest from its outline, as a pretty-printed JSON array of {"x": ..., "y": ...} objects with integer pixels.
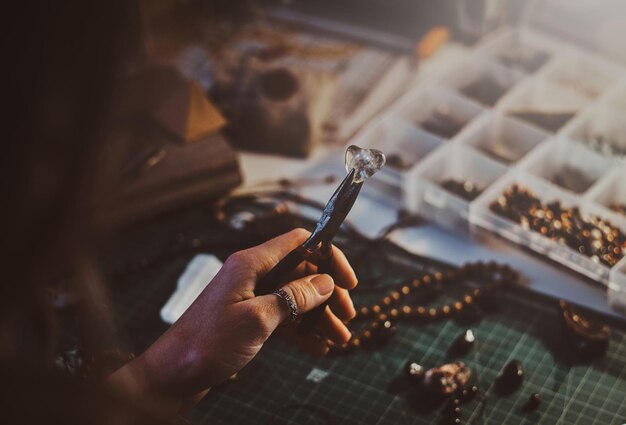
[{"x": 291, "y": 304}]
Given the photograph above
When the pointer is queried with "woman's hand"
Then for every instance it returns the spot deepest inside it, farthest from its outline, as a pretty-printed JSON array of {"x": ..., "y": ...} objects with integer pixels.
[{"x": 227, "y": 324}]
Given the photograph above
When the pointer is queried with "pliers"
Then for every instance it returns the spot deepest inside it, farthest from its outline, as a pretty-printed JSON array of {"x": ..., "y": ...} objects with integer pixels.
[{"x": 319, "y": 243}]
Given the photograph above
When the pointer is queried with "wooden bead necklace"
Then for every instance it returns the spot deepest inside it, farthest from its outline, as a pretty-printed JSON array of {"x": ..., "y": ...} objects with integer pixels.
[{"x": 390, "y": 309}]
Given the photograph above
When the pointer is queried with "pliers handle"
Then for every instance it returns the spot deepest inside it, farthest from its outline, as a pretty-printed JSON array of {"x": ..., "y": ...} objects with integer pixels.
[{"x": 319, "y": 243}]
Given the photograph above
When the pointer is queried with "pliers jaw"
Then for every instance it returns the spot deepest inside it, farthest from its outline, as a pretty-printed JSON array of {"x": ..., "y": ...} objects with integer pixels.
[{"x": 335, "y": 212}]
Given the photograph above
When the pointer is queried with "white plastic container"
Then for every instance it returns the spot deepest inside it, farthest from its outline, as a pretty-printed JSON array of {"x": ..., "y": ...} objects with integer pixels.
[
  {"x": 526, "y": 43},
  {"x": 502, "y": 138},
  {"x": 605, "y": 197},
  {"x": 602, "y": 128},
  {"x": 484, "y": 217},
  {"x": 559, "y": 156},
  {"x": 615, "y": 96},
  {"x": 425, "y": 195},
  {"x": 424, "y": 104},
  {"x": 616, "y": 295},
  {"x": 482, "y": 68},
  {"x": 543, "y": 96},
  {"x": 495, "y": 150},
  {"x": 585, "y": 74}
]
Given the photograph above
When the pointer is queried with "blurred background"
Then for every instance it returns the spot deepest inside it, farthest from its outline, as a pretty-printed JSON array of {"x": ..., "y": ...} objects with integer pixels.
[{"x": 470, "y": 100}]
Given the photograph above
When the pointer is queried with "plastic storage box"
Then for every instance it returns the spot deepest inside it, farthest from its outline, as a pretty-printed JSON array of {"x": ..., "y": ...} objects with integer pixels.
[{"x": 554, "y": 111}]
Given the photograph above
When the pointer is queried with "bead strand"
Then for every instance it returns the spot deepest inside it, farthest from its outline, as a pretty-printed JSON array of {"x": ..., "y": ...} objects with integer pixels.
[{"x": 390, "y": 310}]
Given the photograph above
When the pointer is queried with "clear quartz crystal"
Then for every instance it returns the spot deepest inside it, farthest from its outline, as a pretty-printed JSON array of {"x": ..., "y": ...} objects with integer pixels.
[{"x": 365, "y": 162}]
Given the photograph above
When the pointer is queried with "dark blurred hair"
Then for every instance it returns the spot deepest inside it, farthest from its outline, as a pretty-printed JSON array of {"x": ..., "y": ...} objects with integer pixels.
[{"x": 62, "y": 64}]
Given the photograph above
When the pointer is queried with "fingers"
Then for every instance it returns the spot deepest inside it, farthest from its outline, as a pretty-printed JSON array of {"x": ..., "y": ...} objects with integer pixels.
[
  {"x": 342, "y": 270},
  {"x": 310, "y": 291},
  {"x": 341, "y": 304},
  {"x": 313, "y": 344},
  {"x": 274, "y": 250},
  {"x": 307, "y": 293},
  {"x": 333, "y": 328},
  {"x": 304, "y": 268}
]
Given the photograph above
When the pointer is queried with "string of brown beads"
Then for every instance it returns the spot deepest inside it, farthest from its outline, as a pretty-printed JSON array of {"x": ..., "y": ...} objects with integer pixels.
[{"x": 390, "y": 308}]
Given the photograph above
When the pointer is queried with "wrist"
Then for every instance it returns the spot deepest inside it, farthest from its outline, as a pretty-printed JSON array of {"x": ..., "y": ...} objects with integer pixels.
[
  {"x": 174, "y": 368},
  {"x": 169, "y": 374},
  {"x": 136, "y": 380}
]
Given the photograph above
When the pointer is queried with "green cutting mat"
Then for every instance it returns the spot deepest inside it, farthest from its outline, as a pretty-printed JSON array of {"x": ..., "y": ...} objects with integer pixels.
[
  {"x": 356, "y": 388},
  {"x": 276, "y": 387}
]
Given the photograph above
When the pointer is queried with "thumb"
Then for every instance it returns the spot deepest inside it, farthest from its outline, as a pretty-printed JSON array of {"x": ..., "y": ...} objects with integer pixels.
[{"x": 307, "y": 293}]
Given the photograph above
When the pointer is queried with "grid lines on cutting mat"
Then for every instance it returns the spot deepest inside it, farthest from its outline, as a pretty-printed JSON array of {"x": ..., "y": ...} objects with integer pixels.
[
  {"x": 355, "y": 391},
  {"x": 525, "y": 327}
]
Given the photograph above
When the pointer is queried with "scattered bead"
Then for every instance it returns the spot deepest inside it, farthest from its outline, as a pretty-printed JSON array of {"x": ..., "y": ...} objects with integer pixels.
[
  {"x": 467, "y": 393},
  {"x": 451, "y": 417},
  {"x": 463, "y": 189},
  {"x": 510, "y": 378},
  {"x": 445, "y": 379},
  {"x": 463, "y": 343},
  {"x": 590, "y": 339},
  {"x": 415, "y": 371},
  {"x": 533, "y": 403}
]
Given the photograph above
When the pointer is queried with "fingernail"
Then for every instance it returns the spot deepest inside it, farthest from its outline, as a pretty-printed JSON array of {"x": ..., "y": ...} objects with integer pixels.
[{"x": 324, "y": 284}]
